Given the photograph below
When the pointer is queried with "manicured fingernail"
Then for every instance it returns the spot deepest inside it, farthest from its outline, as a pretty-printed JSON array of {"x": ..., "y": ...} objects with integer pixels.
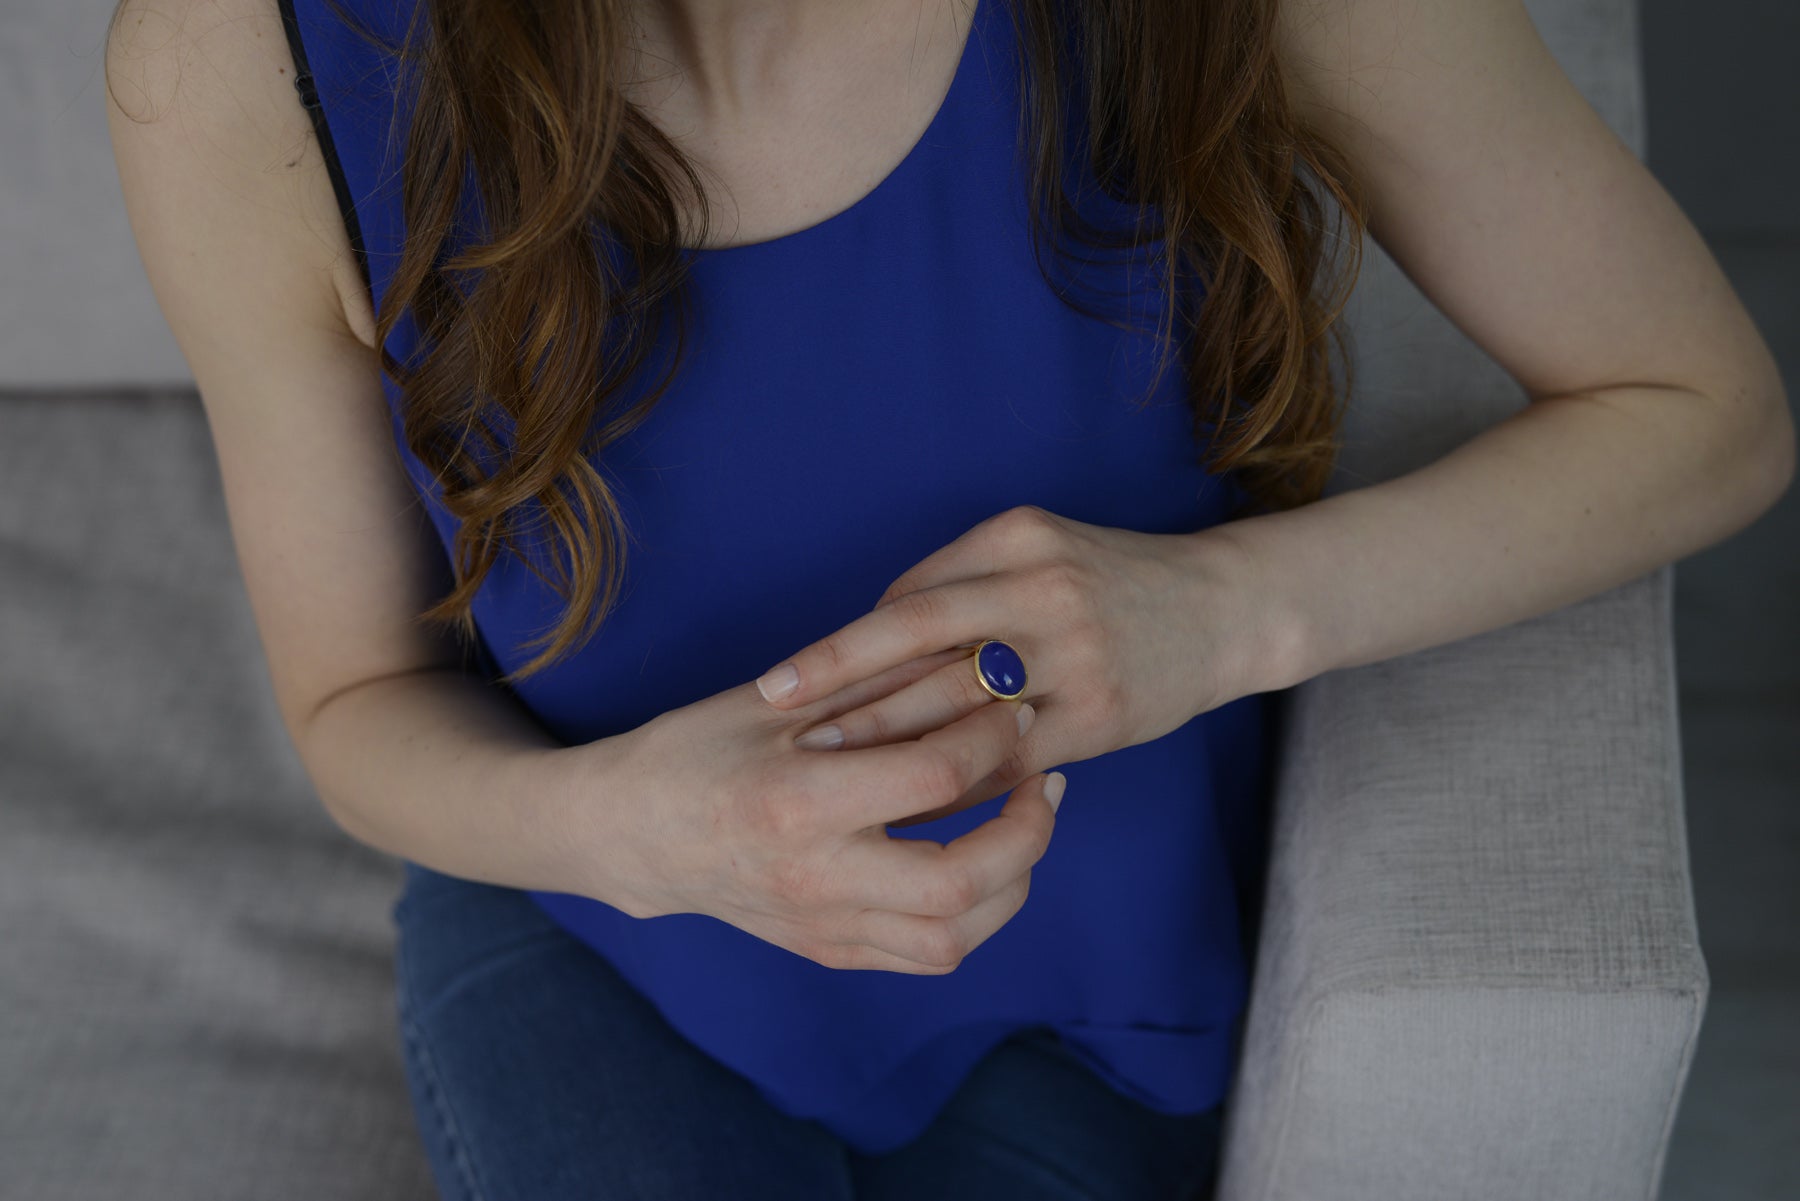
[
  {"x": 1054, "y": 783},
  {"x": 821, "y": 738},
  {"x": 777, "y": 682},
  {"x": 1026, "y": 714}
]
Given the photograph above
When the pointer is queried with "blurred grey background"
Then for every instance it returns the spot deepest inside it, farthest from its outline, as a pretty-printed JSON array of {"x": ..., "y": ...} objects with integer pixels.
[
  {"x": 1723, "y": 117},
  {"x": 1723, "y": 113}
]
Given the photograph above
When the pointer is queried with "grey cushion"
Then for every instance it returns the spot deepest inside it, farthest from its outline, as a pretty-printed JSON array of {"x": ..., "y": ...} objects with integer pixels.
[
  {"x": 196, "y": 973},
  {"x": 1478, "y": 974}
]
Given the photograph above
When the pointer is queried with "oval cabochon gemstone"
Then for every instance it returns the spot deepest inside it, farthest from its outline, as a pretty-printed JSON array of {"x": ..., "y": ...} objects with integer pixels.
[{"x": 1002, "y": 668}]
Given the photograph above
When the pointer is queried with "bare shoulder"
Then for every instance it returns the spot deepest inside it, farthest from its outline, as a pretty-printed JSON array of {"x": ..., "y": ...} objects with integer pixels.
[
  {"x": 214, "y": 148},
  {"x": 237, "y": 225},
  {"x": 1344, "y": 59},
  {"x": 1513, "y": 206}
]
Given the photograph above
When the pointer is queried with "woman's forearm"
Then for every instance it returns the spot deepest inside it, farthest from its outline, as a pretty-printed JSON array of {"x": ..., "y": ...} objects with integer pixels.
[
  {"x": 1569, "y": 497},
  {"x": 452, "y": 773}
]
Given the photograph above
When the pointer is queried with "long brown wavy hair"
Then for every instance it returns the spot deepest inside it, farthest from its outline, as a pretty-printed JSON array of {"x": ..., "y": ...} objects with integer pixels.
[{"x": 1189, "y": 124}]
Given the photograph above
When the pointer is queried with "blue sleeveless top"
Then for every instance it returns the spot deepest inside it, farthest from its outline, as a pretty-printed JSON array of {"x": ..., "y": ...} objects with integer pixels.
[{"x": 856, "y": 395}]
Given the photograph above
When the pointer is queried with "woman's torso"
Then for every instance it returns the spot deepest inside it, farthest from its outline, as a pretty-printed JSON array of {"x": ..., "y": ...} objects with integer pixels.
[{"x": 856, "y": 394}]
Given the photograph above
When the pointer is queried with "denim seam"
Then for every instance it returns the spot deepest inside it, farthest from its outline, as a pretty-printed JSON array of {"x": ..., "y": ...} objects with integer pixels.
[
  {"x": 429, "y": 1076},
  {"x": 439, "y": 1104}
]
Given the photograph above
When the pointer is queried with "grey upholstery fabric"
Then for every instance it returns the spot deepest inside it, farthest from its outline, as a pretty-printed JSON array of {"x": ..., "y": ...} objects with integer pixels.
[
  {"x": 195, "y": 996},
  {"x": 1477, "y": 975}
]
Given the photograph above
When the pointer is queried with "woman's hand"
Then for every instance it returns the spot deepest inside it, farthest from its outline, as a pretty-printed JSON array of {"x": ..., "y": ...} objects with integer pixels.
[
  {"x": 726, "y": 817},
  {"x": 1125, "y": 637}
]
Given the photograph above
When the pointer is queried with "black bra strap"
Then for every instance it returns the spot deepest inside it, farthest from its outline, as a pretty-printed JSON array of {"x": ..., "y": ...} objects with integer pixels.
[{"x": 308, "y": 89}]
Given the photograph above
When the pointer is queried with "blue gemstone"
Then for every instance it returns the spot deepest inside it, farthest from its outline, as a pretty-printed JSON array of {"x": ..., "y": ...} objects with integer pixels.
[{"x": 1002, "y": 668}]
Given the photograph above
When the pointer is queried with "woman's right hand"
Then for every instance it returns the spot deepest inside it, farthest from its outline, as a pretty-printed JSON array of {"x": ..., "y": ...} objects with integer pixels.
[{"x": 723, "y": 815}]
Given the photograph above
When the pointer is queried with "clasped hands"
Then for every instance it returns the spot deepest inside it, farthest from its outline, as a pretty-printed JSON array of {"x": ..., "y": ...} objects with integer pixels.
[{"x": 1125, "y": 636}]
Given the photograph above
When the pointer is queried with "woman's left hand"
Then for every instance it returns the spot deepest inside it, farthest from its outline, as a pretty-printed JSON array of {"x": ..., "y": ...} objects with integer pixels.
[{"x": 1125, "y": 636}]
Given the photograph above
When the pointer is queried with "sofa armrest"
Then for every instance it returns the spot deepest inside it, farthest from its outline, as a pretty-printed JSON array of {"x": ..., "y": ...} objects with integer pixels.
[{"x": 1477, "y": 970}]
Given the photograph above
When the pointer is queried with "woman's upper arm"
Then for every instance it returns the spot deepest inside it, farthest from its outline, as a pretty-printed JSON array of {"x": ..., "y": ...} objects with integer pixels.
[
  {"x": 1502, "y": 194},
  {"x": 247, "y": 254}
]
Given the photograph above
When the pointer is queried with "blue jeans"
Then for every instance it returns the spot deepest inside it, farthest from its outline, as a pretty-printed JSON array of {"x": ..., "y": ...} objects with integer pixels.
[{"x": 538, "y": 1073}]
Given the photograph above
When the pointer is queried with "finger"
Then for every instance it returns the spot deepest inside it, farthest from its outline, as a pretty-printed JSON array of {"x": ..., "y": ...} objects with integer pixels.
[
  {"x": 857, "y": 956},
  {"x": 916, "y": 624},
  {"x": 852, "y": 954},
  {"x": 1040, "y": 747},
  {"x": 1000, "y": 780},
  {"x": 939, "y": 944},
  {"x": 929, "y": 879},
  {"x": 861, "y": 693},
  {"x": 873, "y": 785},
  {"x": 925, "y": 704}
]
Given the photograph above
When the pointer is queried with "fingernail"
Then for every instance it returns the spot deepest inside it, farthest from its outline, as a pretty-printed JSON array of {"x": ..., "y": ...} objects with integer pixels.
[
  {"x": 1054, "y": 783},
  {"x": 1026, "y": 714},
  {"x": 777, "y": 682},
  {"x": 821, "y": 738}
]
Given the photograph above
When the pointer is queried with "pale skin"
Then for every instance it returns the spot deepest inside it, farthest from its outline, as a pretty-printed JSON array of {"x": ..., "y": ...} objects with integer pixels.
[{"x": 1658, "y": 427}]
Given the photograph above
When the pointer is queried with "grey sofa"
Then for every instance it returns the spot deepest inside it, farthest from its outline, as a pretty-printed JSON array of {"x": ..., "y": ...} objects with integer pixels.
[{"x": 1477, "y": 973}]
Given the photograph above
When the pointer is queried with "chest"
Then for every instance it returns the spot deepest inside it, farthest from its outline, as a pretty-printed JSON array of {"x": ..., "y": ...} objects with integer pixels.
[{"x": 788, "y": 138}]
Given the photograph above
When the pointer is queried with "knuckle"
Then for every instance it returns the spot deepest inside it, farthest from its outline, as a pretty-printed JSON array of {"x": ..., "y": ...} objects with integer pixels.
[
  {"x": 941, "y": 946},
  {"x": 1022, "y": 889},
  {"x": 1029, "y": 525},
  {"x": 772, "y": 813},
  {"x": 942, "y": 773},
  {"x": 1062, "y": 585},
  {"x": 919, "y": 612},
  {"x": 797, "y": 881},
  {"x": 825, "y": 954},
  {"x": 846, "y": 957},
  {"x": 1110, "y": 697},
  {"x": 831, "y": 650},
  {"x": 950, "y": 892},
  {"x": 749, "y": 810},
  {"x": 897, "y": 589},
  {"x": 880, "y": 726},
  {"x": 749, "y": 799},
  {"x": 781, "y": 805},
  {"x": 1015, "y": 767}
]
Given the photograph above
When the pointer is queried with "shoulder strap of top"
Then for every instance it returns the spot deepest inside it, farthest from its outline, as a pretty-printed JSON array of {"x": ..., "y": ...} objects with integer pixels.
[{"x": 306, "y": 84}]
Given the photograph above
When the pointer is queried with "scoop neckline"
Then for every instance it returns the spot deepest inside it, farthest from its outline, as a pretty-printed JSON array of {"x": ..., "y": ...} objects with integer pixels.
[{"x": 906, "y": 166}]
